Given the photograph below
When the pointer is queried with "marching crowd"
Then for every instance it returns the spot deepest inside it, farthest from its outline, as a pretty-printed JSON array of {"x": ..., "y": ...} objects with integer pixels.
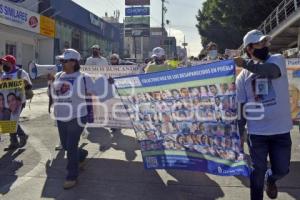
[{"x": 262, "y": 85}]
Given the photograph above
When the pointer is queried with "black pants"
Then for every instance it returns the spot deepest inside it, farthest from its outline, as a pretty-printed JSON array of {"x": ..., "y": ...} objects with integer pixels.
[
  {"x": 13, "y": 136},
  {"x": 20, "y": 132},
  {"x": 278, "y": 147}
]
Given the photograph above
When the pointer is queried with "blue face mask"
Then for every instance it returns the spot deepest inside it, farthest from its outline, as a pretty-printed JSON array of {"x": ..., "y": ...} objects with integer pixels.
[{"x": 212, "y": 54}]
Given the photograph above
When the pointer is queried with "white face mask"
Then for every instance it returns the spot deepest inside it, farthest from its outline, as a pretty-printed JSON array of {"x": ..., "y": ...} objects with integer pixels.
[{"x": 212, "y": 54}]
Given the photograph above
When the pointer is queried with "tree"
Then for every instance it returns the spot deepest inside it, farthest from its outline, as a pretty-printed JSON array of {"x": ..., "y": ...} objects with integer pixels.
[{"x": 226, "y": 21}]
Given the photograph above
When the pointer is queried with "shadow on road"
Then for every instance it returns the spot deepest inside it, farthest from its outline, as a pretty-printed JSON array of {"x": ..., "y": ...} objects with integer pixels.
[
  {"x": 115, "y": 140},
  {"x": 8, "y": 168},
  {"x": 116, "y": 179}
]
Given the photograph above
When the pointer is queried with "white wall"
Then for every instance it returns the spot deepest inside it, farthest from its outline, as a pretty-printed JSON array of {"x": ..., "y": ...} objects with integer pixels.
[
  {"x": 45, "y": 51},
  {"x": 43, "y": 47}
]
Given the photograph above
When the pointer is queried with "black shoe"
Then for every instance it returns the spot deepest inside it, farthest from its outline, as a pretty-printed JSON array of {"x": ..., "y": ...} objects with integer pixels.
[
  {"x": 23, "y": 140},
  {"x": 12, "y": 147},
  {"x": 272, "y": 190}
]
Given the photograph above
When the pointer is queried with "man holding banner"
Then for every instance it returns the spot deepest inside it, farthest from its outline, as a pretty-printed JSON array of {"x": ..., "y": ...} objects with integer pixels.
[
  {"x": 16, "y": 102},
  {"x": 262, "y": 89},
  {"x": 159, "y": 61}
]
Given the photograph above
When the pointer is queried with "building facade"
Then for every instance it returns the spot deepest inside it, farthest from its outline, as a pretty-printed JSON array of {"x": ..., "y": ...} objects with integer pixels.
[
  {"x": 25, "y": 33},
  {"x": 80, "y": 29}
]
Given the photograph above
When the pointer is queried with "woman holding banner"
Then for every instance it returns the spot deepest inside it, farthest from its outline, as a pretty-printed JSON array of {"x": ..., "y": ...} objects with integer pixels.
[
  {"x": 12, "y": 72},
  {"x": 69, "y": 91}
]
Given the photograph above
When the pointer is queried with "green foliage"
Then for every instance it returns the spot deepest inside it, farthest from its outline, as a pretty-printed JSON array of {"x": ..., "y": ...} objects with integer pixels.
[{"x": 226, "y": 21}]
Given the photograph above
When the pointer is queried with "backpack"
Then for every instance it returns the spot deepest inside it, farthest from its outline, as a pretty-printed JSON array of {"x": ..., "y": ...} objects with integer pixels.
[{"x": 28, "y": 89}]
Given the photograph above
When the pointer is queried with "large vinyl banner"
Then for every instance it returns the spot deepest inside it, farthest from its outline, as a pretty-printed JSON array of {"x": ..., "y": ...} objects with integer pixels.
[
  {"x": 11, "y": 96},
  {"x": 186, "y": 118},
  {"x": 108, "y": 110}
]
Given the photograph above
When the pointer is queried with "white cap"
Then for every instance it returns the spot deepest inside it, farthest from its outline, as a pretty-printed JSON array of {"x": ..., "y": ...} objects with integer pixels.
[
  {"x": 255, "y": 36},
  {"x": 95, "y": 46},
  {"x": 115, "y": 55},
  {"x": 158, "y": 52},
  {"x": 69, "y": 54}
]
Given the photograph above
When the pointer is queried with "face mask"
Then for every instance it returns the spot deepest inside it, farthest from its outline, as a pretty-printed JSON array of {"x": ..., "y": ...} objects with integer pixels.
[
  {"x": 261, "y": 54},
  {"x": 6, "y": 68},
  {"x": 95, "y": 53},
  {"x": 212, "y": 54},
  {"x": 159, "y": 61}
]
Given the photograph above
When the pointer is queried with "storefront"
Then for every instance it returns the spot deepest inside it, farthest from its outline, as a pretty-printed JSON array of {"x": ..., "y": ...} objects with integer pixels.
[
  {"x": 79, "y": 29},
  {"x": 26, "y": 35}
]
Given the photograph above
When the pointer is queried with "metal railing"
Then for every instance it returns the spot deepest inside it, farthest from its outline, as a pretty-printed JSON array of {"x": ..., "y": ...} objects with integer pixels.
[{"x": 285, "y": 9}]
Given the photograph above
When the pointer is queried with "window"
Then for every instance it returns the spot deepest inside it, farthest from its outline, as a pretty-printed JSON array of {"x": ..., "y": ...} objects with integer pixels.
[{"x": 11, "y": 49}]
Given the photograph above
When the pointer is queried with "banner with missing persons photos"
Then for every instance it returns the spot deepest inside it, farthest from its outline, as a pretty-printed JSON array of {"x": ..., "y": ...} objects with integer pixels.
[
  {"x": 11, "y": 96},
  {"x": 108, "y": 110},
  {"x": 186, "y": 118}
]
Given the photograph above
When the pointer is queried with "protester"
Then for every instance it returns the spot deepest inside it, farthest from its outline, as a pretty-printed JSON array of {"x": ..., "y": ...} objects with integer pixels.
[
  {"x": 158, "y": 62},
  {"x": 96, "y": 58},
  {"x": 212, "y": 52},
  {"x": 115, "y": 60},
  {"x": 269, "y": 134},
  {"x": 12, "y": 72},
  {"x": 70, "y": 90}
]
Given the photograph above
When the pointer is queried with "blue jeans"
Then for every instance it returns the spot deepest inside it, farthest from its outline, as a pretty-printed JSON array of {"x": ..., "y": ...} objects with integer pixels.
[
  {"x": 69, "y": 133},
  {"x": 278, "y": 147}
]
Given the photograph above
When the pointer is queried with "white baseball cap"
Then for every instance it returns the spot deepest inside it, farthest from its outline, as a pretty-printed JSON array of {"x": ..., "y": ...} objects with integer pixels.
[
  {"x": 255, "y": 36},
  {"x": 158, "y": 52},
  {"x": 95, "y": 46},
  {"x": 69, "y": 54}
]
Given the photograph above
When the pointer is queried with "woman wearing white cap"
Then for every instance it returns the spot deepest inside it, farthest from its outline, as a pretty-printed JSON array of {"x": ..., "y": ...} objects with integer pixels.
[{"x": 69, "y": 91}]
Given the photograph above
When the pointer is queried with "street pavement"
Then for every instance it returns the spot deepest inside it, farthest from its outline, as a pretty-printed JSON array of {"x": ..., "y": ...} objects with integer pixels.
[{"x": 114, "y": 170}]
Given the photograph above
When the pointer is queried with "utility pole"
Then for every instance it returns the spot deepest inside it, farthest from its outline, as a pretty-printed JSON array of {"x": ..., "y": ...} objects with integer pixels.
[{"x": 163, "y": 12}]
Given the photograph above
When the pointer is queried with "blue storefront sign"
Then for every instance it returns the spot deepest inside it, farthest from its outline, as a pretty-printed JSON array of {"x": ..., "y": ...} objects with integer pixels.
[{"x": 135, "y": 11}]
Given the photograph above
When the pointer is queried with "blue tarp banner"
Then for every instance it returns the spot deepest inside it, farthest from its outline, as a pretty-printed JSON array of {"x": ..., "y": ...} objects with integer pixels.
[{"x": 187, "y": 118}]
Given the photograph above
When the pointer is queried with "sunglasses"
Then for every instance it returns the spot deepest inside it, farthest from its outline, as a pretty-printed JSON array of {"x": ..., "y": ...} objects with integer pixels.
[{"x": 66, "y": 61}]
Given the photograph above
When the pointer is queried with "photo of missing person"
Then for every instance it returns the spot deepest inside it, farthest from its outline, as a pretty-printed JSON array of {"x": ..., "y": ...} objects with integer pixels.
[
  {"x": 184, "y": 93},
  {"x": 194, "y": 92},
  {"x": 14, "y": 103},
  {"x": 156, "y": 96},
  {"x": 4, "y": 112},
  {"x": 213, "y": 90},
  {"x": 167, "y": 126},
  {"x": 175, "y": 94},
  {"x": 224, "y": 89},
  {"x": 204, "y": 91},
  {"x": 166, "y": 95}
]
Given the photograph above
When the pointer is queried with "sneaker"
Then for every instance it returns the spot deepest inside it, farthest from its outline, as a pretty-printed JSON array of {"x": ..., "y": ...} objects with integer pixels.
[
  {"x": 23, "y": 140},
  {"x": 12, "y": 147},
  {"x": 69, "y": 184},
  {"x": 271, "y": 190},
  {"x": 58, "y": 147}
]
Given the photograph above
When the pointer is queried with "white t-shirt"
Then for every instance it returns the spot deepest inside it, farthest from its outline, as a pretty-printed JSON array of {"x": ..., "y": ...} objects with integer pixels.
[
  {"x": 96, "y": 61},
  {"x": 14, "y": 75},
  {"x": 272, "y": 94},
  {"x": 68, "y": 92}
]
